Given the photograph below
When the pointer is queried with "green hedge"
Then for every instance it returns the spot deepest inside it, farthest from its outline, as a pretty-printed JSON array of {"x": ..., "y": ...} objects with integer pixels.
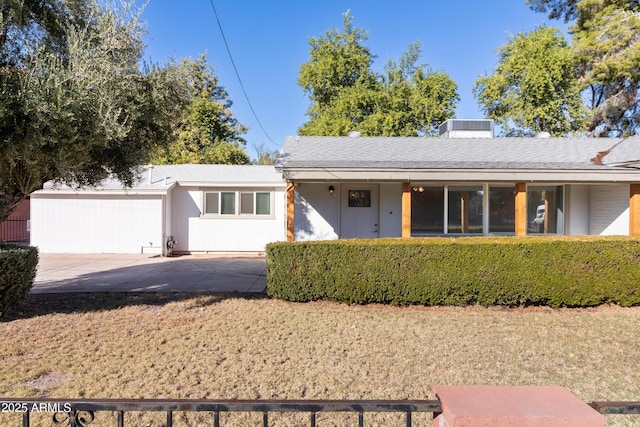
[
  {"x": 17, "y": 270},
  {"x": 509, "y": 271}
]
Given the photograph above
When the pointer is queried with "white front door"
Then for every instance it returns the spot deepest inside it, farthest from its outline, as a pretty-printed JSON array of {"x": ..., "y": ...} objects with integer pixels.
[{"x": 359, "y": 212}]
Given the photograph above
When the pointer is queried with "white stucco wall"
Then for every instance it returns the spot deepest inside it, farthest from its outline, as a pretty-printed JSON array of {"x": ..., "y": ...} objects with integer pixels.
[
  {"x": 318, "y": 215},
  {"x": 609, "y": 209},
  {"x": 197, "y": 233},
  {"x": 577, "y": 209},
  {"x": 96, "y": 223}
]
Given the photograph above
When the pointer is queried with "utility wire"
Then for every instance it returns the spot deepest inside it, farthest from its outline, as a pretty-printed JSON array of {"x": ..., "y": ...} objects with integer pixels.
[{"x": 235, "y": 69}]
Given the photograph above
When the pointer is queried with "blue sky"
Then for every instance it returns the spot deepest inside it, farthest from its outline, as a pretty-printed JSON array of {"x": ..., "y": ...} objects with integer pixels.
[{"x": 269, "y": 42}]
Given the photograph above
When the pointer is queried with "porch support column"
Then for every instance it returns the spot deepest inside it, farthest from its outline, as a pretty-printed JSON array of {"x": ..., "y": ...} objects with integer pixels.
[
  {"x": 406, "y": 209},
  {"x": 464, "y": 212},
  {"x": 549, "y": 211},
  {"x": 634, "y": 210},
  {"x": 521, "y": 209},
  {"x": 291, "y": 193}
]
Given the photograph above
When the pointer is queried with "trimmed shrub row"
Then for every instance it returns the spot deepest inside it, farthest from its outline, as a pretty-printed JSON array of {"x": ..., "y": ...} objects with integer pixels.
[
  {"x": 508, "y": 271},
  {"x": 17, "y": 271}
]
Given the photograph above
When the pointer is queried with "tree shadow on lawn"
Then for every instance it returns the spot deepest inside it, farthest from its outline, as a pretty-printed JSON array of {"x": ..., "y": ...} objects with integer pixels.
[{"x": 68, "y": 303}]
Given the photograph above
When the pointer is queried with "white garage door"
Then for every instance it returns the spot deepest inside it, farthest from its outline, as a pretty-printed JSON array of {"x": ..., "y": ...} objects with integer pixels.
[{"x": 96, "y": 224}]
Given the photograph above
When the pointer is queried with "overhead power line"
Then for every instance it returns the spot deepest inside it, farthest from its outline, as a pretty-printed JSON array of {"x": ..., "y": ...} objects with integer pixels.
[{"x": 235, "y": 69}]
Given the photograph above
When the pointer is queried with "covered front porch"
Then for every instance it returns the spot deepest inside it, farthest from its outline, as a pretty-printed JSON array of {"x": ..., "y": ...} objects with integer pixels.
[
  {"x": 343, "y": 187},
  {"x": 332, "y": 210}
]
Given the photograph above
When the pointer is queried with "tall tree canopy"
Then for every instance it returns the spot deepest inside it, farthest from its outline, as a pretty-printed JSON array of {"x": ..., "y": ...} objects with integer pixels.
[
  {"x": 338, "y": 60},
  {"x": 26, "y": 24},
  {"x": 346, "y": 95},
  {"x": 207, "y": 131},
  {"x": 606, "y": 36},
  {"x": 565, "y": 9},
  {"x": 85, "y": 109},
  {"x": 535, "y": 85}
]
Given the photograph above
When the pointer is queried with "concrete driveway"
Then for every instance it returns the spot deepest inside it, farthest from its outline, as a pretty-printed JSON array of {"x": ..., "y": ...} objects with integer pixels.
[{"x": 147, "y": 273}]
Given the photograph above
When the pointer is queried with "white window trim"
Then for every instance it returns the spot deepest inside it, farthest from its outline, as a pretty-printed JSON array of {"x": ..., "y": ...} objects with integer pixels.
[{"x": 237, "y": 214}]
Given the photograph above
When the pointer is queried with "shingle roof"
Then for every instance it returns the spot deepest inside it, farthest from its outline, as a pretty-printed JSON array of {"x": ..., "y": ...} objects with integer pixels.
[
  {"x": 165, "y": 176},
  {"x": 458, "y": 153}
]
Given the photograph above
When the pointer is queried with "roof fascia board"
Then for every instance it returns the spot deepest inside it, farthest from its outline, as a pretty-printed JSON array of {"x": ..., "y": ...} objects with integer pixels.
[
  {"x": 464, "y": 175},
  {"x": 103, "y": 192},
  {"x": 110, "y": 191},
  {"x": 243, "y": 184}
]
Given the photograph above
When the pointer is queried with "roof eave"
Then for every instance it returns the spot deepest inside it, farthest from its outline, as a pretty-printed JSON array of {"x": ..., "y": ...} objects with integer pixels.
[
  {"x": 484, "y": 175},
  {"x": 106, "y": 191},
  {"x": 235, "y": 184}
]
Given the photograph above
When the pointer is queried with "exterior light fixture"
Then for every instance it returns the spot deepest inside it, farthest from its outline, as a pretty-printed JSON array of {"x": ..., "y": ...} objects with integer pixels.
[
  {"x": 331, "y": 190},
  {"x": 418, "y": 189}
]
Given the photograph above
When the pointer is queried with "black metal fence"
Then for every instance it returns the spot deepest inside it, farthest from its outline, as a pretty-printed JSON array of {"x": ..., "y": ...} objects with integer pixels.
[
  {"x": 82, "y": 413},
  {"x": 616, "y": 408}
]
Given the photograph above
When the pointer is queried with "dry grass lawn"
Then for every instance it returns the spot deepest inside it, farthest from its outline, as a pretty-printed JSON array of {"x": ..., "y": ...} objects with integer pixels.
[{"x": 230, "y": 346}]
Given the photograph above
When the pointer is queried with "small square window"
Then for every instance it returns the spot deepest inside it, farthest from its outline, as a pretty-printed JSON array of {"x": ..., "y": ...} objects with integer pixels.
[
  {"x": 228, "y": 203},
  {"x": 246, "y": 203},
  {"x": 211, "y": 201},
  {"x": 359, "y": 198},
  {"x": 263, "y": 203}
]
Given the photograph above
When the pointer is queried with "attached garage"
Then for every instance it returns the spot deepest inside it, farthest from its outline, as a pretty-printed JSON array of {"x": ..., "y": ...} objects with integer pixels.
[
  {"x": 91, "y": 223},
  {"x": 203, "y": 208}
]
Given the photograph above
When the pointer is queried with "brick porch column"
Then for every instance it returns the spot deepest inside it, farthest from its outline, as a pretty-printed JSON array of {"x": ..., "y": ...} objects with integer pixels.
[{"x": 508, "y": 406}]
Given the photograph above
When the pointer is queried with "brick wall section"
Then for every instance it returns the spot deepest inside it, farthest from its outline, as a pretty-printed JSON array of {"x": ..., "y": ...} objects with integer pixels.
[{"x": 508, "y": 406}]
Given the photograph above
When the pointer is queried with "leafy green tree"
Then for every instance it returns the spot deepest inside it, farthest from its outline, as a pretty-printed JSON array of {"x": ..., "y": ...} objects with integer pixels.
[
  {"x": 337, "y": 61},
  {"x": 556, "y": 9},
  {"x": 412, "y": 100},
  {"x": 207, "y": 131},
  {"x": 535, "y": 86},
  {"x": 86, "y": 112},
  {"x": 25, "y": 24},
  {"x": 606, "y": 36},
  {"x": 346, "y": 95}
]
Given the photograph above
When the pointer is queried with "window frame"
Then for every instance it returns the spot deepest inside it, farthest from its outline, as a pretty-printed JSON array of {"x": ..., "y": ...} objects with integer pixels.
[
  {"x": 238, "y": 195},
  {"x": 487, "y": 188},
  {"x": 560, "y": 224}
]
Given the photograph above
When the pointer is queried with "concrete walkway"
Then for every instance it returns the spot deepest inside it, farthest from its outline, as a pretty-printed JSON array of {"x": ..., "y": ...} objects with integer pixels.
[{"x": 59, "y": 273}]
